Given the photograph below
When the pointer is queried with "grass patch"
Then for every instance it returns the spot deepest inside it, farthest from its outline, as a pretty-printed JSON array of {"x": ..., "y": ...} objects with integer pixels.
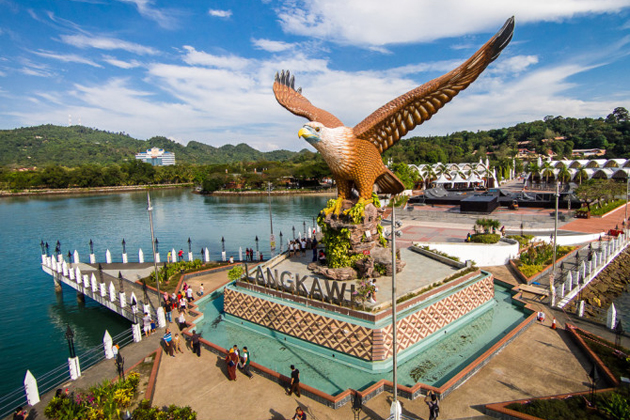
[
  {"x": 169, "y": 277},
  {"x": 438, "y": 284},
  {"x": 610, "y": 206},
  {"x": 605, "y": 350}
]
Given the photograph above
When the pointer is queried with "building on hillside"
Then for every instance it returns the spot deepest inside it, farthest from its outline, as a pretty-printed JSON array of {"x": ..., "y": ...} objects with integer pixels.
[
  {"x": 157, "y": 157},
  {"x": 588, "y": 152}
]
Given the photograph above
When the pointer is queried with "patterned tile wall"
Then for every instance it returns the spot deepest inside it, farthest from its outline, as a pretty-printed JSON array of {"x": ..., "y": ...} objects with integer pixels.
[{"x": 359, "y": 341}]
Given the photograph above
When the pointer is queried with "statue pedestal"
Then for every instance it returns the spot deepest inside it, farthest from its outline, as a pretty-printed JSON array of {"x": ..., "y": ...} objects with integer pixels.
[{"x": 370, "y": 257}]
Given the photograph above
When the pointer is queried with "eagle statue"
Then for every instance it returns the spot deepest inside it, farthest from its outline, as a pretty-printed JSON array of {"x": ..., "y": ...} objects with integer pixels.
[{"x": 354, "y": 154}]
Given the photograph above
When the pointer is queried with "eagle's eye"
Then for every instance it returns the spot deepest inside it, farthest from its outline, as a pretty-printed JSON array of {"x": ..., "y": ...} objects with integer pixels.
[{"x": 316, "y": 128}]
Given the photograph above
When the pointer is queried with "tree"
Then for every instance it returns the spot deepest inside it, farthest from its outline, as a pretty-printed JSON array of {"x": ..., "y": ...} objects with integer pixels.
[{"x": 406, "y": 174}]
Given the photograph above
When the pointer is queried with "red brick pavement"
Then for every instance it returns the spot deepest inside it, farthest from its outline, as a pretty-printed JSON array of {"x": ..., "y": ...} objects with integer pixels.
[{"x": 611, "y": 220}]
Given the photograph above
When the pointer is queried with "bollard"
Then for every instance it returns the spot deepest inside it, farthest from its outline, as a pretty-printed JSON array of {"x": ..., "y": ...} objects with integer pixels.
[
  {"x": 157, "y": 257},
  {"x": 108, "y": 257},
  {"x": 74, "y": 367},
  {"x": 107, "y": 345},
  {"x": 112, "y": 292},
  {"x": 581, "y": 309},
  {"x": 161, "y": 318},
  {"x": 136, "y": 331},
  {"x": 92, "y": 259},
  {"x": 611, "y": 317},
  {"x": 206, "y": 255},
  {"x": 190, "y": 256},
  {"x": 31, "y": 389},
  {"x": 140, "y": 256},
  {"x": 122, "y": 299},
  {"x": 124, "y": 258},
  {"x": 76, "y": 257}
]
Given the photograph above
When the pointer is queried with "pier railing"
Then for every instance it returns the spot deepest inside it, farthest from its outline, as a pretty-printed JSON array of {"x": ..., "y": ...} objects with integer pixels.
[
  {"x": 569, "y": 285},
  {"x": 59, "y": 375}
]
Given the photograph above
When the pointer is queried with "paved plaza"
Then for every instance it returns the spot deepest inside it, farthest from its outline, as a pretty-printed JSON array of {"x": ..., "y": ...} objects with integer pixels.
[{"x": 540, "y": 361}]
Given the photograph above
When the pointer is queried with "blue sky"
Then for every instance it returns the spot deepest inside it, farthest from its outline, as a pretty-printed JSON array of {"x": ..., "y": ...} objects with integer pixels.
[{"x": 203, "y": 70}]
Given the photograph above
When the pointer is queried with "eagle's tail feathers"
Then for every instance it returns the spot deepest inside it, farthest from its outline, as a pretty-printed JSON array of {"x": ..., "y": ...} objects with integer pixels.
[{"x": 389, "y": 183}]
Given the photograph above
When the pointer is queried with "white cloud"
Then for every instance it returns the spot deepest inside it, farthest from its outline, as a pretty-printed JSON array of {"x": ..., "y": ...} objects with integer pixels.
[
  {"x": 106, "y": 43},
  {"x": 120, "y": 63},
  {"x": 225, "y": 14},
  {"x": 68, "y": 58},
  {"x": 362, "y": 22},
  {"x": 233, "y": 62},
  {"x": 165, "y": 19},
  {"x": 272, "y": 46}
]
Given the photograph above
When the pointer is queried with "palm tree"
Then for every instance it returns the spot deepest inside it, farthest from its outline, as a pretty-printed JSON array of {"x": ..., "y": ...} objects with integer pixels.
[
  {"x": 581, "y": 174},
  {"x": 564, "y": 175},
  {"x": 533, "y": 170},
  {"x": 547, "y": 170},
  {"x": 429, "y": 175}
]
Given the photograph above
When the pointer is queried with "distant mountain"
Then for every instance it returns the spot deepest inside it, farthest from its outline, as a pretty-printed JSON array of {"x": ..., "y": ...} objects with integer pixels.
[{"x": 77, "y": 145}]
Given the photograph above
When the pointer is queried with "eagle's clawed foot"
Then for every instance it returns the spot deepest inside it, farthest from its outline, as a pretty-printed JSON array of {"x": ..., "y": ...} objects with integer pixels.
[{"x": 335, "y": 209}]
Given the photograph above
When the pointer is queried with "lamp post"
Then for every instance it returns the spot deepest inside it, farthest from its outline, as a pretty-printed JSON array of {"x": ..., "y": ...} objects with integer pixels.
[
  {"x": 272, "y": 238},
  {"x": 58, "y": 248},
  {"x": 70, "y": 338},
  {"x": 222, "y": 244},
  {"x": 293, "y": 232},
  {"x": 41, "y": 244},
  {"x": 154, "y": 242},
  {"x": 189, "y": 246},
  {"x": 280, "y": 241},
  {"x": 395, "y": 407},
  {"x": 91, "y": 247},
  {"x": 124, "y": 246},
  {"x": 304, "y": 223},
  {"x": 47, "y": 249},
  {"x": 257, "y": 253},
  {"x": 120, "y": 282},
  {"x": 552, "y": 277}
]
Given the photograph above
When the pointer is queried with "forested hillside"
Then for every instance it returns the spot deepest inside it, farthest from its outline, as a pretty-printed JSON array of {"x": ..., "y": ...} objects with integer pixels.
[
  {"x": 77, "y": 145},
  {"x": 558, "y": 134}
]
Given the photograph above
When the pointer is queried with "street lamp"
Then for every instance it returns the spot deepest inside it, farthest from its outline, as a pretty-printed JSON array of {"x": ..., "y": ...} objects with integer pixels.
[
  {"x": 272, "y": 239},
  {"x": 280, "y": 241},
  {"x": 189, "y": 246},
  {"x": 222, "y": 244},
  {"x": 154, "y": 243},
  {"x": 69, "y": 256},
  {"x": 304, "y": 223},
  {"x": 257, "y": 253},
  {"x": 41, "y": 244},
  {"x": 293, "y": 232},
  {"x": 124, "y": 245},
  {"x": 157, "y": 245},
  {"x": 120, "y": 281},
  {"x": 70, "y": 338},
  {"x": 552, "y": 277},
  {"x": 91, "y": 247},
  {"x": 58, "y": 248},
  {"x": 395, "y": 407},
  {"x": 47, "y": 249}
]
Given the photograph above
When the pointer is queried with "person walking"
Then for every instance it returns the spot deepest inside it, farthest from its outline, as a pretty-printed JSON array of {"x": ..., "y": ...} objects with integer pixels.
[
  {"x": 295, "y": 382},
  {"x": 182, "y": 321},
  {"x": 177, "y": 344},
  {"x": 196, "y": 345},
  {"x": 190, "y": 295},
  {"x": 146, "y": 323},
  {"x": 244, "y": 363},
  {"x": 168, "y": 343},
  {"x": 180, "y": 254},
  {"x": 299, "y": 414},
  {"x": 434, "y": 405},
  {"x": 168, "y": 311},
  {"x": 232, "y": 360}
]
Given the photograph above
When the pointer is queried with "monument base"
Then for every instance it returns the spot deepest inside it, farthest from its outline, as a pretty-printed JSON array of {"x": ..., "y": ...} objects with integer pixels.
[{"x": 355, "y": 245}]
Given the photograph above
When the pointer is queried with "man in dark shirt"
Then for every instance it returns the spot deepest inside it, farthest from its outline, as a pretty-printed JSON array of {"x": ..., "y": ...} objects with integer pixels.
[
  {"x": 295, "y": 381},
  {"x": 196, "y": 347}
]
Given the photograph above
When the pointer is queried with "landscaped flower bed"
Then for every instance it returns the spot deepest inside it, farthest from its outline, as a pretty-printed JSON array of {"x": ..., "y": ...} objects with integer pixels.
[{"x": 535, "y": 259}]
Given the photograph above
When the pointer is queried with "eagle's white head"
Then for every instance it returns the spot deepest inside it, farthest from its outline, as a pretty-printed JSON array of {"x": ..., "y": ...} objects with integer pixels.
[{"x": 335, "y": 144}]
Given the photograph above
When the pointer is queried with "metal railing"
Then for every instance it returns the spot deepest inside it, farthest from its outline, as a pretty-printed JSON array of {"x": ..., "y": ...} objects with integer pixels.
[{"x": 60, "y": 374}]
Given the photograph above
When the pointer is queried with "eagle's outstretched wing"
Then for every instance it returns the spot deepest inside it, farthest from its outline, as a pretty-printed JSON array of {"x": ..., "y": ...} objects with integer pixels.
[
  {"x": 288, "y": 97},
  {"x": 385, "y": 126}
]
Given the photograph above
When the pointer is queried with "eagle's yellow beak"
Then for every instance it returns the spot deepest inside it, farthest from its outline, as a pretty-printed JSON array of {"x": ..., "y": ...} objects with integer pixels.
[{"x": 304, "y": 133}]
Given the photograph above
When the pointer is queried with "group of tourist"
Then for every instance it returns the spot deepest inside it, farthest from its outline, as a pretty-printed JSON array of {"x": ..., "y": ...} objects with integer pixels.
[
  {"x": 250, "y": 255},
  {"x": 238, "y": 358},
  {"x": 300, "y": 245},
  {"x": 172, "y": 344}
]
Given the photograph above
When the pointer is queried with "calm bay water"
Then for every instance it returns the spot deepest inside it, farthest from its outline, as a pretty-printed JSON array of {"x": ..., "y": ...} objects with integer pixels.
[{"x": 36, "y": 317}]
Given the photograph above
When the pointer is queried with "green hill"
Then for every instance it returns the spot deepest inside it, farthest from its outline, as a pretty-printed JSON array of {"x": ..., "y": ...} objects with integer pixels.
[{"x": 77, "y": 145}]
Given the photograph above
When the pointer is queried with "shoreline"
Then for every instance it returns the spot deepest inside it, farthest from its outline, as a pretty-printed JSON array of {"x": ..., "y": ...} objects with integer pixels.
[{"x": 132, "y": 188}]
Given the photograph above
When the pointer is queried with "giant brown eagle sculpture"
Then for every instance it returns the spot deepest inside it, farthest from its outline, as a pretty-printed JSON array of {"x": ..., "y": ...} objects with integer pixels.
[{"x": 354, "y": 154}]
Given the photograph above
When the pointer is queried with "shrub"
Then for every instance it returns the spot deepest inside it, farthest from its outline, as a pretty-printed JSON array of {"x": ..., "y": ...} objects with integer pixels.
[
  {"x": 529, "y": 270},
  {"x": 485, "y": 238},
  {"x": 523, "y": 240},
  {"x": 236, "y": 273},
  {"x": 607, "y": 207}
]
